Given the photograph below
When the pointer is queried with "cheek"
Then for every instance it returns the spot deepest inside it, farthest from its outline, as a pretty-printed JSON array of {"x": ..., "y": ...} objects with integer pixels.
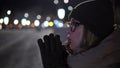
[{"x": 76, "y": 38}]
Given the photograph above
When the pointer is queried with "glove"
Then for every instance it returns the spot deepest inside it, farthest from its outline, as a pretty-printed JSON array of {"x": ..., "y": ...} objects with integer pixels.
[{"x": 53, "y": 52}]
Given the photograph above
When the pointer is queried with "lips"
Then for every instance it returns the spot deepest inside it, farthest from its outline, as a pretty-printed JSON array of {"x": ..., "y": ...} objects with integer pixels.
[
  {"x": 68, "y": 37},
  {"x": 69, "y": 40}
]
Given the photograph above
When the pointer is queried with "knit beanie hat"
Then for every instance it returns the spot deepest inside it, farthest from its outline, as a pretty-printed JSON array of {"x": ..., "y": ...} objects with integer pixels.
[{"x": 96, "y": 16}]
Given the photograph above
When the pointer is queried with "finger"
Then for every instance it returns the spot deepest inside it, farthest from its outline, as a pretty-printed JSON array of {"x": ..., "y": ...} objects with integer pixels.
[
  {"x": 47, "y": 43},
  {"x": 42, "y": 47},
  {"x": 44, "y": 54},
  {"x": 58, "y": 41},
  {"x": 61, "y": 48},
  {"x": 52, "y": 42},
  {"x": 41, "y": 44},
  {"x": 58, "y": 44}
]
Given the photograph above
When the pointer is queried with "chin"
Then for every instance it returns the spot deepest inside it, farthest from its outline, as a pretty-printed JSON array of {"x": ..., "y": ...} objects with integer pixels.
[{"x": 72, "y": 47}]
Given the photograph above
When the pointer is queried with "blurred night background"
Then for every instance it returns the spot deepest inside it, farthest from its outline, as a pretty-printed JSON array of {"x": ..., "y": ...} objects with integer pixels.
[
  {"x": 23, "y": 22},
  {"x": 24, "y": 14},
  {"x": 35, "y": 13}
]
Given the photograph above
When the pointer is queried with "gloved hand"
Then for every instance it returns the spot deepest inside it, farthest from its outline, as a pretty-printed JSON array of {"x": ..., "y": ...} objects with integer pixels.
[{"x": 53, "y": 53}]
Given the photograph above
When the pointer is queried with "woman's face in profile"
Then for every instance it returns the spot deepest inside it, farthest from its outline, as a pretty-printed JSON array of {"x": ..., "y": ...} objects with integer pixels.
[{"x": 75, "y": 35}]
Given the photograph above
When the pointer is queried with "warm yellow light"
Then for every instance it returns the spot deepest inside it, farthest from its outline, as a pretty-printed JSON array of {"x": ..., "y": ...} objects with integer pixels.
[
  {"x": 19, "y": 26},
  {"x": 32, "y": 25},
  {"x": 1, "y": 20},
  {"x": 51, "y": 24},
  {"x": 0, "y": 27}
]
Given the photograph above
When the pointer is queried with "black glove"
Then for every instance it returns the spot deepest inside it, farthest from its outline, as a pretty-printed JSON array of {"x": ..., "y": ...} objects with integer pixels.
[{"x": 53, "y": 53}]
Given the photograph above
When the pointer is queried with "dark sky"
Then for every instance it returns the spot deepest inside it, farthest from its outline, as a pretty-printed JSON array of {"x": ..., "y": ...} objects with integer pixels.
[
  {"x": 23, "y": 4},
  {"x": 43, "y": 7},
  {"x": 33, "y": 7},
  {"x": 39, "y": 6}
]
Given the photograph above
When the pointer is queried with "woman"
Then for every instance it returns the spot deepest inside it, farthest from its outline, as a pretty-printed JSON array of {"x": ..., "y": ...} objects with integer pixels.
[{"x": 92, "y": 41}]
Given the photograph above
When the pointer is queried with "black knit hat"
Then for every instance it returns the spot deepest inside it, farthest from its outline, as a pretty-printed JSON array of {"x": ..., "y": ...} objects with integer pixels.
[{"x": 96, "y": 15}]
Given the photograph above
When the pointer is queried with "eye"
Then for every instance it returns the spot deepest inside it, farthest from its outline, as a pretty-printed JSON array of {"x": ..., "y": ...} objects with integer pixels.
[
  {"x": 74, "y": 24},
  {"x": 77, "y": 24}
]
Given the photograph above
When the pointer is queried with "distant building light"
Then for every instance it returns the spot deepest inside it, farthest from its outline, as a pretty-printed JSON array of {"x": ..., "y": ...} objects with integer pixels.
[
  {"x": 58, "y": 23},
  {"x": 27, "y": 22},
  {"x": 45, "y": 24},
  {"x": 26, "y": 15},
  {"x": 51, "y": 24},
  {"x": 61, "y": 13},
  {"x": 9, "y": 12},
  {"x": 6, "y": 20},
  {"x": 16, "y": 21},
  {"x": 56, "y": 1},
  {"x": 23, "y": 21},
  {"x": 1, "y": 20},
  {"x": 36, "y": 23},
  {"x": 70, "y": 8},
  {"x": 48, "y": 18},
  {"x": 66, "y": 1},
  {"x": 38, "y": 16}
]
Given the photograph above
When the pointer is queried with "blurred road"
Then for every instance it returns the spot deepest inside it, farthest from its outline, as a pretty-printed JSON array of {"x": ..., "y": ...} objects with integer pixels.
[{"x": 19, "y": 48}]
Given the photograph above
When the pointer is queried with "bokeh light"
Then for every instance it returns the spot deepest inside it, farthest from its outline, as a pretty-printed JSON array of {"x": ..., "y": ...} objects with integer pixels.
[
  {"x": 36, "y": 23},
  {"x": 10, "y": 26},
  {"x": 23, "y": 21},
  {"x": 38, "y": 16},
  {"x": 48, "y": 18},
  {"x": 26, "y": 15},
  {"x": 9, "y": 12},
  {"x": 20, "y": 26},
  {"x": 1, "y": 20},
  {"x": 6, "y": 20},
  {"x": 32, "y": 25},
  {"x": 45, "y": 24},
  {"x": 66, "y": 1},
  {"x": 51, "y": 24},
  {"x": 58, "y": 23},
  {"x": 0, "y": 27},
  {"x": 27, "y": 22},
  {"x": 56, "y": 1},
  {"x": 61, "y": 13},
  {"x": 70, "y": 8},
  {"x": 16, "y": 21}
]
